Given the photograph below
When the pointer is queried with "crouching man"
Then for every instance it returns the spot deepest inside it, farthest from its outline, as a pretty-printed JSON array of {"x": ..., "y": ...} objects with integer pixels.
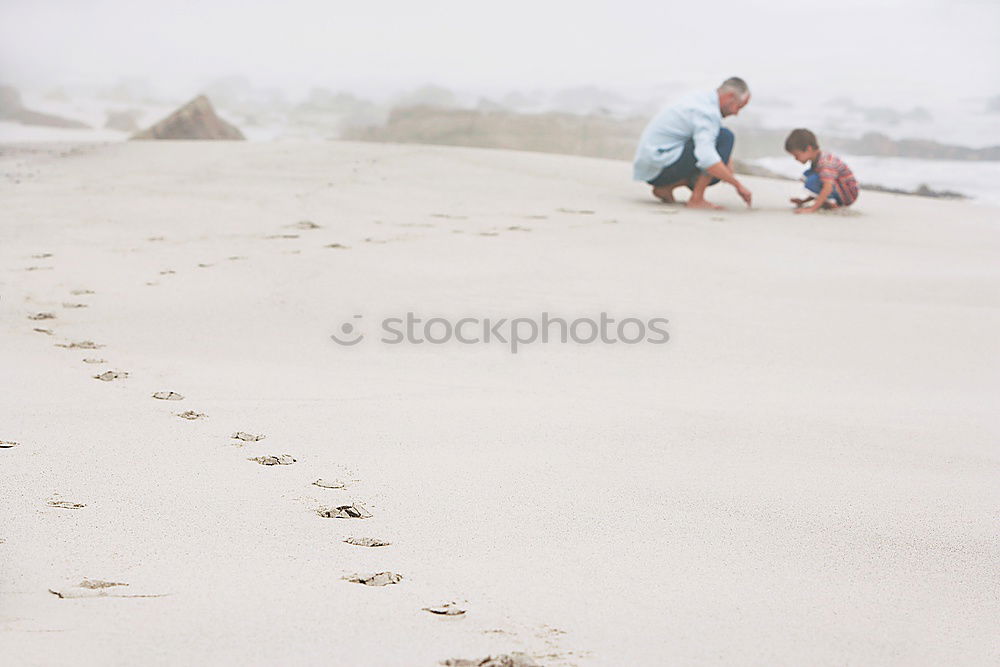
[{"x": 685, "y": 144}]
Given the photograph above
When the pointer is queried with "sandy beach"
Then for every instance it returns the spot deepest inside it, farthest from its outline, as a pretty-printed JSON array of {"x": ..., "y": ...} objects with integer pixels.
[{"x": 806, "y": 473}]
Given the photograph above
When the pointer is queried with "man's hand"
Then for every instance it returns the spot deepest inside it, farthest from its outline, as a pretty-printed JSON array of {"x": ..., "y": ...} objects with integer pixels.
[{"x": 745, "y": 194}]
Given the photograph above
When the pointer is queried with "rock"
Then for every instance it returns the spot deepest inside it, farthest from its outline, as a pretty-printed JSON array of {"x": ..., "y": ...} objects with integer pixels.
[
  {"x": 168, "y": 396},
  {"x": 367, "y": 542},
  {"x": 283, "y": 460},
  {"x": 378, "y": 579},
  {"x": 123, "y": 121},
  {"x": 195, "y": 120},
  {"x": 11, "y": 108},
  {"x": 345, "y": 512}
]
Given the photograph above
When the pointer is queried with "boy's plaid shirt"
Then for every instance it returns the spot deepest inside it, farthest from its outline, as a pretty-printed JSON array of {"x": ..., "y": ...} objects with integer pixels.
[{"x": 832, "y": 168}]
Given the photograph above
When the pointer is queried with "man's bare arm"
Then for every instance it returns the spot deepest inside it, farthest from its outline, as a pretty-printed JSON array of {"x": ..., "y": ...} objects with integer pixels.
[{"x": 721, "y": 171}]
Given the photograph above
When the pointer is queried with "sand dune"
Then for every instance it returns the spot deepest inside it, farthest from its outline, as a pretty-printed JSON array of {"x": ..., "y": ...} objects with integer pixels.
[{"x": 806, "y": 473}]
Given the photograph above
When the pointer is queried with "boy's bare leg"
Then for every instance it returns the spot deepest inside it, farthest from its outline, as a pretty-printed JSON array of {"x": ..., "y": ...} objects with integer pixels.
[
  {"x": 665, "y": 193},
  {"x": 697, "y": 199}
]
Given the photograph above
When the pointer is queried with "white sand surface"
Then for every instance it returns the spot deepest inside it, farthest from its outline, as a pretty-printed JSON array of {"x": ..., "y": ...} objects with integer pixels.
[{"x": 807, "y": 473}]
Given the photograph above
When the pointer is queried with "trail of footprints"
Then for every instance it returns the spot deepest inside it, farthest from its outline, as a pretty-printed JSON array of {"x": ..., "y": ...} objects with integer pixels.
[{"x": 352, "y": 511}]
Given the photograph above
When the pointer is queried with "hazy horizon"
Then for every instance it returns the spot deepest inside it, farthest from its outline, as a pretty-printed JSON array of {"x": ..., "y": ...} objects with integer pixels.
[{"x": 897, "y": 52}]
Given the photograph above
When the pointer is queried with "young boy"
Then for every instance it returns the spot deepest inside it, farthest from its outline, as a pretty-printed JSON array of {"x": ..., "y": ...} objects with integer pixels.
[{"x": 827, "y": 176}]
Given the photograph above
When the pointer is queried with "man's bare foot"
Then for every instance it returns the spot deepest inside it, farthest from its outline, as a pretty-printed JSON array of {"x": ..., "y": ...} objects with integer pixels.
[
  {"x": 664, "y": 193},
  {"x": 701, "y": 203},
  {"x": 798, "y": 201}
]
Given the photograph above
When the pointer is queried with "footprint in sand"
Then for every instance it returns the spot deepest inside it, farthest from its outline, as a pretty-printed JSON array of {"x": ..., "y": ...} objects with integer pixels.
[
  {"x": 377, "y": 579},
  {"x": 167, "y": 272},
  {"x": 39, "y": 268},
  {"x": 42, "y": 316},
  {"x": 74, "y": 305},
  {"x": 47, "y": 332},
  {"x": 96, "y": 588},
  {"x": 168, "y": 396},
  {"x": 304, "y": 224},
  {"x": 536, "y": 217},
  {"x": 335, "y": 484},
  {"x": 489, "y": 233},
  {"x": 515, "y": 659},
  {"x": 448, "y": 216},
  {"x": 718, "y": 218},
  {"x": 65, "y": 504},
  {"x": 42, "y": 255},
  {"x": 577, "y": 211},
  {"x": 282, "y": 236},
  {"x": 92, "y": 360},
  {"x": 354, "y": 511},
  {"x": 446, "y": 609},
  {"x": 157, "y": 238},
  {"x": 81, "y": 345},
  {"x": 81, "y": 292},
  {"x": 366, "y": 542},
  {"x": 108, "y": 376},
  {"x": 235, "y": 257},
  {"x": 202, "y": 265},
  {"x": 518, "y": 228},
  {"x": 191, "y": 415},
  {"x": 7, "y": 444},
  {"x": 283, "y": 460},
  {"x": 337, "y": 246},
  {"x": 152, "y": 284},
  {"x": 247, "y": 437}
]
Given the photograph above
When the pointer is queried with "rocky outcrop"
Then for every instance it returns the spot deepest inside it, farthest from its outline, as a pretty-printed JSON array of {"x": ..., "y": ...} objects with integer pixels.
[
  {"x": 195, "y": 120},
  {"x": 11, "y": 108},
  {"x": 123, "y": 121}
]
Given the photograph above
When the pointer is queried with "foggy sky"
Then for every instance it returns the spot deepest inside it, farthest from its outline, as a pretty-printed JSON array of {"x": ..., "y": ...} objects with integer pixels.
[{"x": 882, "y": 51}]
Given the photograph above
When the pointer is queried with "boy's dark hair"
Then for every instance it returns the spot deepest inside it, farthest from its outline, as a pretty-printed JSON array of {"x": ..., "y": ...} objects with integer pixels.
[{"x": 800, "y": 139}]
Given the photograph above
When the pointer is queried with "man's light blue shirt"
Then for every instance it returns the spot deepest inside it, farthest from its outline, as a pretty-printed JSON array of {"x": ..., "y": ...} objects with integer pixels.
[{"x": 696, "y": 116}]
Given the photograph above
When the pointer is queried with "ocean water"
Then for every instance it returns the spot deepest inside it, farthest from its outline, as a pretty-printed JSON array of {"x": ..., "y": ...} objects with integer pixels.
[{"x": 977, "y": 180}]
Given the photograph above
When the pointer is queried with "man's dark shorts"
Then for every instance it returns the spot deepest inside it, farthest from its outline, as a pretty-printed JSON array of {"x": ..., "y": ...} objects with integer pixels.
[{"x": 686, "y": 167}]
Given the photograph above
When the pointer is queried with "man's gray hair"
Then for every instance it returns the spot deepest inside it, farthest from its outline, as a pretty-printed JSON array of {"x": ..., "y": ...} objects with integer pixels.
[{"x": 736, "y": 85}]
